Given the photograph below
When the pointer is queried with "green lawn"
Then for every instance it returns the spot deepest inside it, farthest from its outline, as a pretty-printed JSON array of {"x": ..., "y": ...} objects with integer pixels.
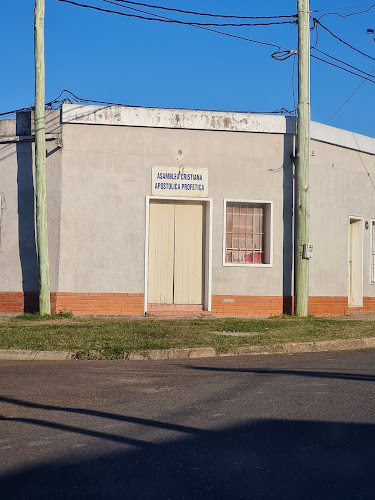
[{"x": 110, "y": 338}]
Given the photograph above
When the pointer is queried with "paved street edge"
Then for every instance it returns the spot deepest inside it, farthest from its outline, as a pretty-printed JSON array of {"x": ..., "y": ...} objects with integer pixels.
[{"x": 201, "y": 352}]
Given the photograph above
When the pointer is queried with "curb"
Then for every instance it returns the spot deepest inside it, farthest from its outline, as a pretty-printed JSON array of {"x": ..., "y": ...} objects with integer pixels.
[
  {"x": 177, "y": 353},
  {"x": 29, "y": 355},
  {"x": 306, "y": 347},
  {"x": 202, "y": 352}
]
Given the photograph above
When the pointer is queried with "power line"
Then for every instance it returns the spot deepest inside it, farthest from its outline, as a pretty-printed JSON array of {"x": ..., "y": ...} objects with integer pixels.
[
  {"x": 267, "y": 44},
  {"x": 87, "y": 101},
  {"x": 344, "y": 69},
  {"x": 75, "y": 99},
  {"x": 342, "y": 62},
  {"x": 168, "y": 19},
  {"x": 279, "y": 55},
  {"x": 294, "y": 97},
  {"x": 347, "y": 15},
  {"x": 343, "y": 41},
  {"x": 348, "y": 99},
  {"x": 345, "y": 8},
  {"x": 271, "y": 23},
  {"x": 283, "y": 167},
  {"x": 315, "y": 26},
  {"x": 203, "y": 13},
  {"x": 16, "y": 111}
]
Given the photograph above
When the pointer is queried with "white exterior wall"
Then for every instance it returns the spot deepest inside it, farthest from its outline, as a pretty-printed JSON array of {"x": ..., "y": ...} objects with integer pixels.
[
  {"x": 99, "y": 176},
  {"x": 18, "y": 253},
  {"x": 107, "y": 175},
  {"x": 342, "y": 185}
]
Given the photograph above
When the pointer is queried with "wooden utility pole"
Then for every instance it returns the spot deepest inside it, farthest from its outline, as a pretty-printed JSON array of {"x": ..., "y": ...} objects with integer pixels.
[
  {"x": 40, "y": 161},
  {"x": 302, "y": 212}
]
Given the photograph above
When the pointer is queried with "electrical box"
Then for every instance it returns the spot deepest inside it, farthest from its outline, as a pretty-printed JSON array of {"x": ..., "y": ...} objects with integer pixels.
[{"x": 307, "y": 250}]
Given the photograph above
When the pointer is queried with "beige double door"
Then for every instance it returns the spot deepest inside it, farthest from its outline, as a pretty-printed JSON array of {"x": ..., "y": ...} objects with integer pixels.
[{"x": 175, "y": 255}]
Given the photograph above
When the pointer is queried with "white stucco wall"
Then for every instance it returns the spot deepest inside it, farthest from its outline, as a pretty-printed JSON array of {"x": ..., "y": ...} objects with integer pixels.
[
  {"x": 18, "y": 254},
  {"x": 342, "y": 185},
  {"x": 100, "y": 174},
  {"x": 107, "y": 175},
  {"x": 111, "y": 153}
]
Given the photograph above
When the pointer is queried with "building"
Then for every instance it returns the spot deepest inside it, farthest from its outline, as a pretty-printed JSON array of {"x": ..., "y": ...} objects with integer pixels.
[{"x": 165, "y": 211}]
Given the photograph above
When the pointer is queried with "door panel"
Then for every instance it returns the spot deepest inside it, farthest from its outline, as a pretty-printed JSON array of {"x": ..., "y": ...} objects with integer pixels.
[
  {"x": 161, "y": 253},
  {"x": 188, "y": 262},
  {"x": 175, "y": 256},
  {"x": 355, "y": 263}
]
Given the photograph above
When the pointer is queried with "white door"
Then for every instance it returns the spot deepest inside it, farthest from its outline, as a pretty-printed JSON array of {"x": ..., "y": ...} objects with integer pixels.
[
  {"x": 355, "y": 263},
  {"x": 175, "y": 264}
]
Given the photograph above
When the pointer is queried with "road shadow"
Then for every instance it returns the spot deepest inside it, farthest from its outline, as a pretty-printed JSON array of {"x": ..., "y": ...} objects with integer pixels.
[
  {"x": 282, "y": 459},
  {"x": 299, "y": 373}
]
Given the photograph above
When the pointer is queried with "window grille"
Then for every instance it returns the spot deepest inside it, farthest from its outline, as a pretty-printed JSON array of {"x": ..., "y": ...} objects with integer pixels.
[{"x": 244, "y": 233}]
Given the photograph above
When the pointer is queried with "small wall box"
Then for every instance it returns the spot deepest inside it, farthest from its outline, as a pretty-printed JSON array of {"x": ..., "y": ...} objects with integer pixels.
[{"x": 307, "y": 250}]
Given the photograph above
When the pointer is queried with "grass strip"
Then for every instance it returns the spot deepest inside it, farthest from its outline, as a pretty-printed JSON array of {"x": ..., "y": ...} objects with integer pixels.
[{"x": 111, "y": 338}]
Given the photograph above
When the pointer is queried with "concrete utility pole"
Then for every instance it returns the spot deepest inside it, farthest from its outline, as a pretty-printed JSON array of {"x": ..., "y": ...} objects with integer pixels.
[
  {"x": 302, "y": 212},
  {"x": 40, "y": 161}
]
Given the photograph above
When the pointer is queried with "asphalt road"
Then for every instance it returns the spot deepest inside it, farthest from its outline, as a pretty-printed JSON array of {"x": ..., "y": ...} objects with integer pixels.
[{"x": 300, "y": 426}]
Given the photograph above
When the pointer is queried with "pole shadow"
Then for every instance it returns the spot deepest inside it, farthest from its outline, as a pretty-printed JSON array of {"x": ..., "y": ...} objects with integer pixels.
[
  {"x": 26, "y": 226},
  {"x": 299, "y": 373},
  {"x": 288, "y": 218},
  {"x": 281, "y": 459}
]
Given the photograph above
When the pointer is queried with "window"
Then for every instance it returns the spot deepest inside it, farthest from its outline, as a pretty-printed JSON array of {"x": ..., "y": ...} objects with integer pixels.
[
  {"x": 373, "y": 251},
  {"x": 247, "y": 233}
]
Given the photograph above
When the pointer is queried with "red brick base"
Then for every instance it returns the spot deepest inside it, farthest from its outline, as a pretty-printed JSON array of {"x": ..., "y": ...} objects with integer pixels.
[
  {"x": 242, "y": 305},
  {"x": 133, "y": 303},
  {"x": 237, "y": 305},
  {"x": 78, "y": 303},
  {"x": 337, "y": 306},
  {"x": 18, "y": 302}
]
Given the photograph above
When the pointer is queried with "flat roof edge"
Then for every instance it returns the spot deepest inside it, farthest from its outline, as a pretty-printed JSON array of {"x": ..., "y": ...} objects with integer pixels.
[
  {"x": 343, "y": 138},
  {"x": 173, "y": 118},
  {"x": 210, "y": 120}
]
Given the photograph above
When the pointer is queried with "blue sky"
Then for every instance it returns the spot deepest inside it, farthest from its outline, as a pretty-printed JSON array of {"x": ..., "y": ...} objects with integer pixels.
[{"x": 112, "y": 58}]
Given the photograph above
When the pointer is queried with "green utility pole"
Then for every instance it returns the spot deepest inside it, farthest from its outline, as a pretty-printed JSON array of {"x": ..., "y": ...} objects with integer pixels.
[
  {"x": 302, "y": 211},
  {"x": 40, "y": 161}
]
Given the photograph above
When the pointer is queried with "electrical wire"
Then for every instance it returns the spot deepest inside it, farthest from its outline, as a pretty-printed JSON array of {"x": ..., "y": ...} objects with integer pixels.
[
  {"x": 203, "y": 13},
  {"x": 315, "y": 26},
  {"x": 280, "y": 169},
  {"x": 343, "y": 41},
  {"x": 59, "y": 101},
  {"x": 16, "y": 111},
  {"x": 329, "y": 11},
  {"x": 58, "y": 97},
  {"x": 168, "y": 19},
  {"x": 344, "y": 8},
  {"x": 342, "y": 62},
  {"x": 267, "y": 44},
  {"x": 279, "y": 55},
  {"x": 87, "y": 101},
  {"x": 294, "y": 97},
  {"x": 344, "y": 69},
  {"x": 347, "y": 100},
  {"x": 272, "y": 23},
  {"x": 347, "y": 15},
  {"x": 283, "y": 55},
  {"x": 215, "y": 31}
]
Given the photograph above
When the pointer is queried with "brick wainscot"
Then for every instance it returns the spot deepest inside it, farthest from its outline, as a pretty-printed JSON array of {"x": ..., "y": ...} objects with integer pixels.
[{"x": 126, "y": 304}]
